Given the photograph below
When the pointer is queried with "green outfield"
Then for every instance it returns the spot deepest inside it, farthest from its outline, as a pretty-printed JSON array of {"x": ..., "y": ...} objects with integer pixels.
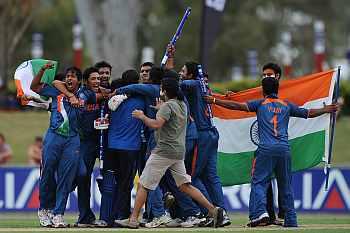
[
  {"x": 20, "y": 128},
  {"x": 309, "y": 223}
]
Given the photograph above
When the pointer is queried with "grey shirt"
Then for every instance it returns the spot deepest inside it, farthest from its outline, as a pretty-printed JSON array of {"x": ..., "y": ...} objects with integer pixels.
[{"x": 171, "y": 136}]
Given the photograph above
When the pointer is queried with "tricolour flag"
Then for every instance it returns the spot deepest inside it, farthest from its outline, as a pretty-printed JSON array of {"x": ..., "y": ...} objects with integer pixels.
[
  {"x": 24, "y": 75},
  {"x": 309, "y": 138}
]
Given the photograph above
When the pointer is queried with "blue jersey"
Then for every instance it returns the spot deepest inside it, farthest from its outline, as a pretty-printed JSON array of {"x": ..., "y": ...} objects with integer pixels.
[
  {"x": 124, "y": 131},
  {"x": 151, "y": 92},
  {"x": 273, "y": 117},
  {"x": 64, "y": 117},
  {"x": 198, "y": 107},
  {"x": 90, "y": 112}
]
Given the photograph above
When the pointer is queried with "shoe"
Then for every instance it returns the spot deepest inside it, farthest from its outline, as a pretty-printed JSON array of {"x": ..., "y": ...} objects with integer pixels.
[
  {"x": 218, "y": 216},
  {"x": 44, "y": 218},
  {"x": 156, "y": 222},
  {"x": 143, "y": 222},
  {"x": 126, "y": 223},
  {"x": 95, "y": 223},
  {"x": 191, "y": 221},
  {"x": 276, "y": 222},
  {"x": 226, "y": 220},
  {"x": 174, "y": 223},
  {"x": 58, "y": 221},
  {"x": 208, "y": 222},
  {"x": 263, "y": 220},
  {"x": 169, "y": 200},
  {"x": 99, "y": 223}
]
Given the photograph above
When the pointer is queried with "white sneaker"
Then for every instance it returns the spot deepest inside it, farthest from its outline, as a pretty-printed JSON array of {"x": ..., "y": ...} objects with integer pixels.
[
  {"x": 174, "y": 223},
  {"x": 156, "y": 222},
  {"x": 58, "y": 221},
  {"x": 44, "y": 218},
  {"x": 191, "y": 221}
]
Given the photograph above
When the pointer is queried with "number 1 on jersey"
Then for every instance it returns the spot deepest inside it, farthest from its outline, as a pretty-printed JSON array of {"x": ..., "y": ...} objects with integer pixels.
[{"x": 274, "y": 122}]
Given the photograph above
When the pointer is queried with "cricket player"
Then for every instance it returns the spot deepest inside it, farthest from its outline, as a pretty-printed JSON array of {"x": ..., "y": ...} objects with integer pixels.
[
  {"x": 60, "y": 148},
  {"x": 273, "y": 153}
]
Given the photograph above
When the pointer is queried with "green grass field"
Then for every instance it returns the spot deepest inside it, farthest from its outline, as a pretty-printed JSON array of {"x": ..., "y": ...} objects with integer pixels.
[
  {"x": 309, "y": 223},
  {"x": 20, "y": 128}
]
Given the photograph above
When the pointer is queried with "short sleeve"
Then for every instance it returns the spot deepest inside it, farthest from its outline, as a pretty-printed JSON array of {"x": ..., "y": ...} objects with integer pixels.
[
  {"x": 164, "y": 112},
  {"x": 49, "y": 91},
  {"x": 295, "y": 111},
  {"x": 253, "y": 105}
]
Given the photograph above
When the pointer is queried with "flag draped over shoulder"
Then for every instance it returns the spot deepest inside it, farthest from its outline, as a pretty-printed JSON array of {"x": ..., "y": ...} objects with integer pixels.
[
  {"x": 309, "y": 138},
  {"x": 24, "y": 75}
]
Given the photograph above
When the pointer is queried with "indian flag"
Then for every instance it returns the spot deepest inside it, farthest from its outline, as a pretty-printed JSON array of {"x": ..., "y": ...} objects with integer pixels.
[
  {"x": 309, "y": 138},
  {"x": 24, "y": 75}
]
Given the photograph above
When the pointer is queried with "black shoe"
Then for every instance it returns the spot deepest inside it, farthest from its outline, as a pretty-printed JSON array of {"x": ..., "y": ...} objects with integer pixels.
[{"x": 226, "y": 220}]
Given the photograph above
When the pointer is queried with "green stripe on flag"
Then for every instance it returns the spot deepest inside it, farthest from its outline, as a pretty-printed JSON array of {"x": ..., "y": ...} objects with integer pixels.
[
  {"x": 307, "y": 152},
  {"x": 49, "y": 74}
]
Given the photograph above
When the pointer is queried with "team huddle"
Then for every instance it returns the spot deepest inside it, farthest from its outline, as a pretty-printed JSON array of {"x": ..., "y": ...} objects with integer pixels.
[{"x": 159, "y": 126}]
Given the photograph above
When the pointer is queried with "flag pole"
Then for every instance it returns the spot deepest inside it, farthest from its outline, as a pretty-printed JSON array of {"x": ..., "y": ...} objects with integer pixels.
[{"x": 333, "y": 121}]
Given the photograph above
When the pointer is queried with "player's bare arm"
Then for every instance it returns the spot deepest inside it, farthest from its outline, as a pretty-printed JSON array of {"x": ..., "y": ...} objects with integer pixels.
[
  {"x": 326, "y": 109},
  {"x": 152, "y": 123},
  {"x": 229, "y": 104},
  {"x": 36, "y": 84},
  {"x": 61, "y": 86}
]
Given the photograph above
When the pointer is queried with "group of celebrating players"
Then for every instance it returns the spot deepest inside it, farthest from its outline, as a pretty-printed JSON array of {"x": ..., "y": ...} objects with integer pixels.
[{"x": 159, "y": 127}]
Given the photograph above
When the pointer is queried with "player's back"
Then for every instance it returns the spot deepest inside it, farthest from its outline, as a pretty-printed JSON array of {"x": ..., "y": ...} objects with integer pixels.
[{"x": 273, "y": 118}]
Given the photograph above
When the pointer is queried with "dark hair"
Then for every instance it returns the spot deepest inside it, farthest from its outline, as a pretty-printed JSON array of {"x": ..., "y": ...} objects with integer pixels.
[
  {"x": 38, "y": 139},
  {"x": 170, "y": 73},
  {"x": 2, "y": 136},
  {"x": 74, "y": 70},
  {"x": 270, "y": 86},
  {"x": 156, "y": 74},
  {"x": 172, "y": 88},
  {"x": 130, "y": 77},
  {"x": 60, "y": 76},
  {"x": 273, "y": 66},
  {"x": 103, "y": 64},
  {"x": 147, "y": 63},
  {"x": 89, "y": 71},
  {"x": 116, "y": 83},
  {"x": 192, "y": 68}
]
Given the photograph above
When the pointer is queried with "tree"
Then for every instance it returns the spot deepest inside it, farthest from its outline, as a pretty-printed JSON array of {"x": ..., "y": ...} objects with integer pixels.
[
  {"x": 110, "y": 28},
  {"x": 15, "y": 18}
]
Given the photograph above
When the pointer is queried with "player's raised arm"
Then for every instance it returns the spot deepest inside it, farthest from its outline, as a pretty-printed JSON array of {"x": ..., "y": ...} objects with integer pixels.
[
  {"x": 36, "y": 84},
  {"x": 229, "y": 104}
]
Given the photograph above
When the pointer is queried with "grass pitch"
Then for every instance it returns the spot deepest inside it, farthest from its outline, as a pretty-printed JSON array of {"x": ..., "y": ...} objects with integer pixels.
[{"x": 308, "y": 223}]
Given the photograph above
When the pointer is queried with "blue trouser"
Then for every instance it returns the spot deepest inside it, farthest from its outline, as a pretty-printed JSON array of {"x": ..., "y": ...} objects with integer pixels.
[
  {"x": 186, "y": 206},
  {"x": 60, "y": 156},
  {"x": 266, "y": 162},
  {"x": 204, "y": 176},
  {"x": 88, "y": 152}
]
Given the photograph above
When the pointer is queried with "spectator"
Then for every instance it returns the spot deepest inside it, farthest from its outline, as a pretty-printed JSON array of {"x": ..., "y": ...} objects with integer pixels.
[
  {"x": 5, "y": 150},
  {"x": 34, "y": 151}
]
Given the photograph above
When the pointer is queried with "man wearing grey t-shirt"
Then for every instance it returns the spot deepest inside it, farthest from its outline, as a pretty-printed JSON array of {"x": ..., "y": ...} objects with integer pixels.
[{"x": 170, "y": 125}]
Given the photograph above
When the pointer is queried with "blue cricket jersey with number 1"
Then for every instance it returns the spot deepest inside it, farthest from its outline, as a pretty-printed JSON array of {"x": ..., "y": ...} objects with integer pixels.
[{"x": 273, "y": 119}]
